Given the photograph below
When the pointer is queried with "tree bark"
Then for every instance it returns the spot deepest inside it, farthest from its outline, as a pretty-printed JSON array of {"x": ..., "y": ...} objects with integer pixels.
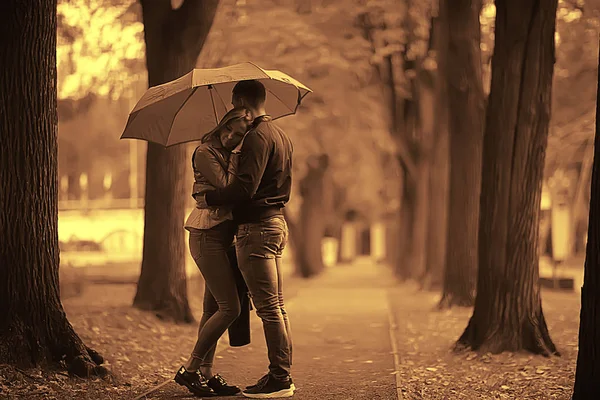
[
  {"x": 438, "y": 179},
  {"x": 312, "y": 219},
  {"x": 418, "y": 249},
  {"x": 587, "y": 375},
  {"x": 402, "y": 232},
  {"x": 422, "y": 122},
  {"x": 174, "y": 39},
  {"x": 34, "y": 330},
  {"x": 508, "y": 308},
  {"x": 467, "y": 113}
]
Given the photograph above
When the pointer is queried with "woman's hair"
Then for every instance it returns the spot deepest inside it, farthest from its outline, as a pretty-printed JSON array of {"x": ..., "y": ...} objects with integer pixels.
[{"x": 231, "y": 115}]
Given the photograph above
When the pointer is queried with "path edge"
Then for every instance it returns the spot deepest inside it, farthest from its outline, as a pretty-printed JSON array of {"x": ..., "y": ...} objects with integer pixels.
[{"x": 392, "y": 327}]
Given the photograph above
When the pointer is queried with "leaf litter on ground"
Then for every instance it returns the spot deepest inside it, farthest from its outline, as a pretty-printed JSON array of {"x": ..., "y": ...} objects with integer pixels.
[{"x": 430, "y": 369}]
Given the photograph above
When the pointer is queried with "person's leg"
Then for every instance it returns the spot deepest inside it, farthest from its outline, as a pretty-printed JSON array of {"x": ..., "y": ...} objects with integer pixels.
[
  {"x": 278, "y": 258},
  {"x": 286, "y": 319},
  {"x": 188, "y": 375},
  {"x": 257, "y": 247},
  {"x": 209, "y": 308},
  {"x": 214, "y": 266}
]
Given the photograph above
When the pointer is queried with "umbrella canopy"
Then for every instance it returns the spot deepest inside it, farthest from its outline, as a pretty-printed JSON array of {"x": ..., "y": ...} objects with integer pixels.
[{"x": 185, "y": 109}]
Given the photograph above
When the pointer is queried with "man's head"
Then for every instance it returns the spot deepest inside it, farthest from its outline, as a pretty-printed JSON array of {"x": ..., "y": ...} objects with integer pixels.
[{"x": 250, "y": 94}]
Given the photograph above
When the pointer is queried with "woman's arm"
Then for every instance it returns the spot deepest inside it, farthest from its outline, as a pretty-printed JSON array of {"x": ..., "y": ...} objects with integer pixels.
[
  {"x": 232, "y": 167},
  {"x": 207, "y": 164}
]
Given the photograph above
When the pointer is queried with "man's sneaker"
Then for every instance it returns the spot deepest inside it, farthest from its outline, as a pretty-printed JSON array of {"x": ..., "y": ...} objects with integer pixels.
[
  {"x": 194, "y": 382},
  {"x": 266, "y": 377},
  {"x": 269, "y": 387},
  {"x": 220, "y": 386}
]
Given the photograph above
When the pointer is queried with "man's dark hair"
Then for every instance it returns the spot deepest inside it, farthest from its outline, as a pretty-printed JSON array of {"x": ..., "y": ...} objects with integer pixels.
[{"x": 252, "y": 91}]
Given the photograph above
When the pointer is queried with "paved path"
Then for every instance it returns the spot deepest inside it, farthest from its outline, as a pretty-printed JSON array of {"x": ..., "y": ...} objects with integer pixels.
[{"x": 341, "y": 329}]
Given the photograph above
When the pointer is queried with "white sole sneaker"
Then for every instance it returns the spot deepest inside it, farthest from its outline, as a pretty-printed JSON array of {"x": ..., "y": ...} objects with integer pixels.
[{"x": 274, "y": 395}]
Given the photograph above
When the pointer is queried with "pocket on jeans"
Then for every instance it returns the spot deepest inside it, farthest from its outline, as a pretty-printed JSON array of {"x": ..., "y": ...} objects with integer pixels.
[{"x": 267, "y": 246}]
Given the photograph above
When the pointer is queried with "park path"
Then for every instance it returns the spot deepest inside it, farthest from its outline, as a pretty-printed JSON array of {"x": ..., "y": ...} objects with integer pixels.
[{"x": 341, "y": 330}]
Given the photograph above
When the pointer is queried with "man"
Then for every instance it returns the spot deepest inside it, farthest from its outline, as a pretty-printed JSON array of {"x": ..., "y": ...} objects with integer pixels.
[{"x": 258, "y": 194}]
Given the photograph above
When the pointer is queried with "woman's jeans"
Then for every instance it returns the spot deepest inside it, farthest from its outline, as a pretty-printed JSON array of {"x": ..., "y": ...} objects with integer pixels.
[
  {"x": 209, "y": 249},
  {"x": 259, "y": 248}
]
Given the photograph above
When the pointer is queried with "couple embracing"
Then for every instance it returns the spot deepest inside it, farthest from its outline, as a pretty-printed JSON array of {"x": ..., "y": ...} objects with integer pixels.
[{"x": 242, "y": 180}]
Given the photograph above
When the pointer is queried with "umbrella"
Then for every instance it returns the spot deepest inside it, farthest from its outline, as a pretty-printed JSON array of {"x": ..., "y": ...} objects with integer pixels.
[{"x": 185, "y": 109}]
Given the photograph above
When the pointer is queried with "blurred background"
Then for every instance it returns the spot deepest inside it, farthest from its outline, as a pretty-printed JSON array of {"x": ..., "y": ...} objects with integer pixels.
[{"x": 354, "y": 194}]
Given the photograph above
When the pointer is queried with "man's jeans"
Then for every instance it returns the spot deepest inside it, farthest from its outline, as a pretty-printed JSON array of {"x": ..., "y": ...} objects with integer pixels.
[{"x": 259, "y": 248}]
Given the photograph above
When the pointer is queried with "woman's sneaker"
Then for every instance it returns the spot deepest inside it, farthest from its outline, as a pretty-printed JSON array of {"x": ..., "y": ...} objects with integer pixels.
[
  {"x": 220, "y": 386},
  {"x": 194, "y": 382},
  {"x": 269, "y": 387}
]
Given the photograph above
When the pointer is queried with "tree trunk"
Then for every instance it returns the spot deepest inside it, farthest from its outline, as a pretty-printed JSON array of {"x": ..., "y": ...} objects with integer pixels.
[
  {"x": 34, "y": 329},
  {"x": 402, "y": 231},
  {"x": 587, "y": 376},
  {"x": 422, "y": 122},
  {"x": 312, "y": 218},
  {"x": 467, "y": 113},
  {"x": 418, "y": 249},
  {"x": 174, "y": 39},
  {"x": 438, "y": 179},
  {"x": 508, "y": 308}
]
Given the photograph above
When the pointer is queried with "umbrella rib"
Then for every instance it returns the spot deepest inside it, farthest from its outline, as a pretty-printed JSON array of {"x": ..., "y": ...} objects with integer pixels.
[
  {"x": 281, "y": 101},
  {"x": 179, "y": 109},
  {"x": 212, "y": 100},
  {"x": 220, "y": 98}
]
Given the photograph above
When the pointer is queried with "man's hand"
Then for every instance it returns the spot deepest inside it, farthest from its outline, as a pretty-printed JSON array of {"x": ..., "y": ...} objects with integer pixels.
[{"x": 201, "y": 201}]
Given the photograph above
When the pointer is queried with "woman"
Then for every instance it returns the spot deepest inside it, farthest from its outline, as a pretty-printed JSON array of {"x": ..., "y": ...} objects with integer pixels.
[{"x": 211, "y": 237}]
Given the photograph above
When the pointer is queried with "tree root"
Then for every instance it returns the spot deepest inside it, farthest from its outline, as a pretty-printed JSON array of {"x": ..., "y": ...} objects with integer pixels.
[
  {"x": 95, "y": 356},
  {"x": 82, "y": 366},
  {"x": 81, "y": 360},
  {"x": 535, "y": 338}
]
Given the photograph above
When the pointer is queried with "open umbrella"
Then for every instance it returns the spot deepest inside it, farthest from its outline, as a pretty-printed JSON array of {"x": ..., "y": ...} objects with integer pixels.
[{"x": 185, "y": 109}]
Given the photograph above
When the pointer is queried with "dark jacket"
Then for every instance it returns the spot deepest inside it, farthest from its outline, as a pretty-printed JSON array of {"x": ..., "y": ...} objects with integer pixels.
[{"x": 263, "y": 181}]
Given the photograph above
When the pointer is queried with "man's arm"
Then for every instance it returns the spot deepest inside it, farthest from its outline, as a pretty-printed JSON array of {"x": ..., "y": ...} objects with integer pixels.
[{"x": 253, "y": 160}]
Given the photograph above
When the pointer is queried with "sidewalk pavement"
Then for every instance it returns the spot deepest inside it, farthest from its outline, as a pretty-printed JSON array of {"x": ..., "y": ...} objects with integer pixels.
[{"x": 341, "y": 333}]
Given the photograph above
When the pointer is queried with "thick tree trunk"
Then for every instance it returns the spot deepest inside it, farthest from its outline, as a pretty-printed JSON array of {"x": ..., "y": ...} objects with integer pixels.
[
  {"x": 467, "y": 115},
  {"x": 34, "y": 329},
  {"x": 508, "y": 308},
  {"x": 174, "y": 39},
  {"x": 418, "y": 249},
  {"x": 312, "y": 220},
  {"x": 438, "y": 179},
  {"x": 419, "y": 120},
  {"x": 402, "y": 232},
  {"x": 587, "y": 376}
]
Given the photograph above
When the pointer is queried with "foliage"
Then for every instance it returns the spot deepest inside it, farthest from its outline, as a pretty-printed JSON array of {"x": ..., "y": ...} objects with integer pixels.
[
  {"x": 574, "y": 82},
  {"x": 100, "y": 46}
]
